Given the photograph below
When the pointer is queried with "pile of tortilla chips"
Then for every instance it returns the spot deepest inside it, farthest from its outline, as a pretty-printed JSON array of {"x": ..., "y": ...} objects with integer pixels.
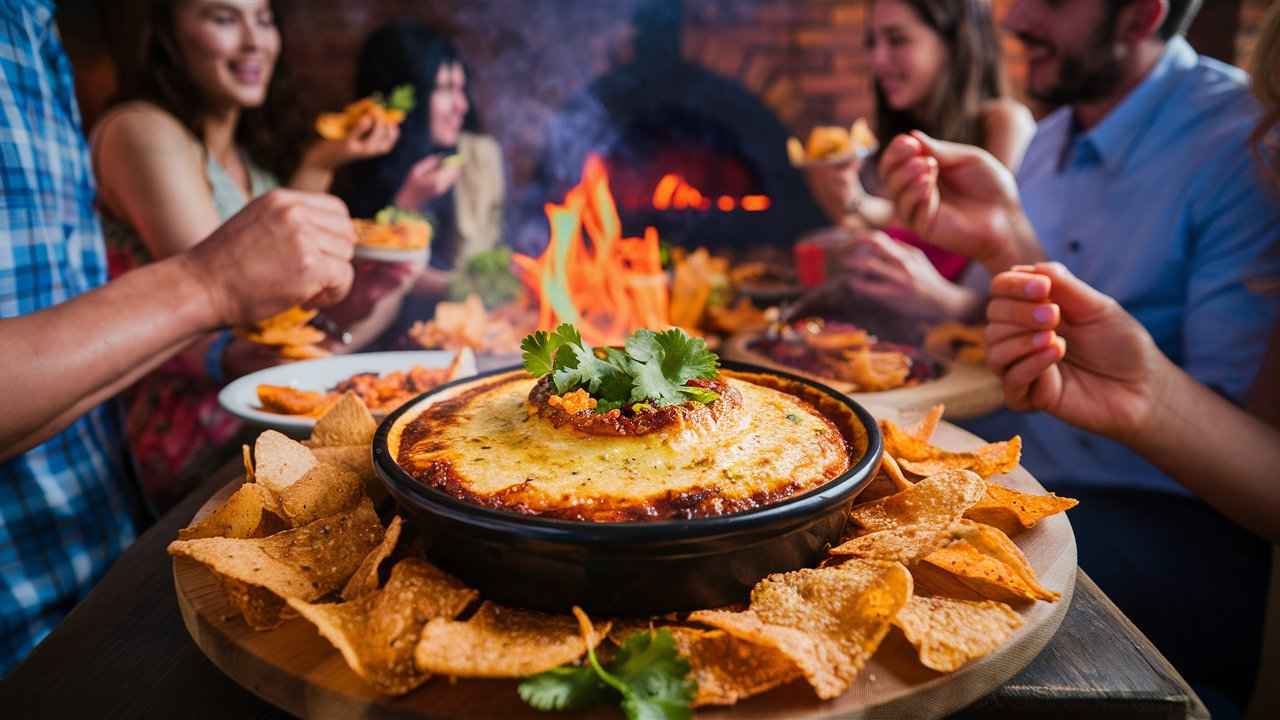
[
  {"x": 289, "y": 333},
  {"x": 959, "y": 342},
  {"x": 467, "y": 324},
  {"x": 927, "y": 555}
]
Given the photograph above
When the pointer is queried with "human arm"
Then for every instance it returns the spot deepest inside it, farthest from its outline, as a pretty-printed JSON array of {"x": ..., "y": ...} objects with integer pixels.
[
  {"x": 874, "y": 265},
  {"x": 1007, "y": 129},
  {"x": 839, "y": 191},
  {"x": 428, "y": 179},
  {"x": 961, "y": 199},
  {"x": 1064, "y": 348},
  {"x": 89, "y": 348},
  {"x": 372, "y": 136}
]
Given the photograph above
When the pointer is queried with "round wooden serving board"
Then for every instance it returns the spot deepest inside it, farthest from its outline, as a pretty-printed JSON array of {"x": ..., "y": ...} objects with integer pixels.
[
  {"x": 967, "y": 390},
  {"x": 297, "y": 670}
]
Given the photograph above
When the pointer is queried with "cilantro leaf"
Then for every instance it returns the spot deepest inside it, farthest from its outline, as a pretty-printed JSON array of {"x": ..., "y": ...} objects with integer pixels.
[
  {"x": 564, "y": 688},
  {"x": 663, "y": 362},
  {"x": 702, "y": 395},
  {"x": 685, "y": 358},
  {"x": 648, "y": 674},
  {"x": 401, "y": 98},
  {"x": 541, "y": 350}
]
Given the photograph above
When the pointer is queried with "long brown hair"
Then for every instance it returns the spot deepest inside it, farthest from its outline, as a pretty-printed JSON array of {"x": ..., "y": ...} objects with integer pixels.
[
  {"x": 970, "y": 76},
  {"x": 270, "y": 134}
]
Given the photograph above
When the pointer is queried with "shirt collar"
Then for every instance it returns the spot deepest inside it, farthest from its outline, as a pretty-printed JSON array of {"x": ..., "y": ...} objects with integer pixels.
[{"x": 1114, "y": 139}]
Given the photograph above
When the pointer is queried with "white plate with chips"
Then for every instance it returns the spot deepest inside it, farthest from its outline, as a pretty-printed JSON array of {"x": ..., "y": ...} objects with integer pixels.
[
  {"x": 417, "y": 256},
  {"x": 240, "y": 397}
]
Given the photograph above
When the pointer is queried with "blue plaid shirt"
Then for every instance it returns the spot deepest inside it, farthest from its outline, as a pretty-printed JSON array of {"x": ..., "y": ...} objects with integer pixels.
[{"x": 63, "y": 512}]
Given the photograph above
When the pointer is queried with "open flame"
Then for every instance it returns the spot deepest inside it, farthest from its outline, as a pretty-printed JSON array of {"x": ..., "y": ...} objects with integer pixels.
[
  {"x": 673, "y": 192},
  {"x": 591, "y": 276}
]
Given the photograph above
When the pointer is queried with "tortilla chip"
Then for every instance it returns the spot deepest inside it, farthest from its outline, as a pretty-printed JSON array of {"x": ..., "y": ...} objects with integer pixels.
[
  {"x": 365, "y": 579},
  {"x": 303, "y": 352},
  {"x": 292, "y": 401},
  {"x": 357, "y": 459},
  {"x": 297, "y": 335},
  {"x": 376, "y": 633},
  {"x": 924, "y": 427},
  {"x": 891, "y": 470},
  {"x": 247, "y": 456},
  {"x": 280, "y": 461},
  {"x": 828, "y": 621},
  {"x": 728, "y": 669},
  {"x": 500, "y": 642},
  {"x": 323, "y": 491},
  {"x": 920, "y": 458},
  {"x": 292, "y": 317},
  {"x": 261, "y": 608},
  {"x": 949, "y": 634},
  {"x": 905, "y": 544},
  {"x": 244, "y": 515},
  {"x": 347, "y": 422},
  {"x": 305, "y": 563},
  {"x": 988, "y": 562},
  {"x": 1012, "y": 511},
  {"x": 937, "y": 500}
]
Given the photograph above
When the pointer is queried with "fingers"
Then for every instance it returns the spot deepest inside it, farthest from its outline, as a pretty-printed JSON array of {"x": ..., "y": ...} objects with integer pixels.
[
  {"x": 900, "y": 150},
  {"x": 1021, "y": 285},
  {"x": 1018, "y": 378},
  {"x": 1029, "y": 315},
  {"x": 335, "y": 279},
  {"x": 1079, "y": 301},
  {"x": 426, "y": 166},
  {"x": 1013, "y": 348}
]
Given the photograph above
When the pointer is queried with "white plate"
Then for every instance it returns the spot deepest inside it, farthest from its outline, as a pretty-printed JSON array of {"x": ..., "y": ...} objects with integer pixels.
[
  {"x": 240, "y": 398},
  {"x": 392, "y": 255}
]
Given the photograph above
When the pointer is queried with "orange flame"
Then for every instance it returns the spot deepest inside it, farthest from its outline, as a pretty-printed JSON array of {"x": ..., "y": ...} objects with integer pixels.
[
  {"x": 589, "y": 274},
  {"x": 673, "y": 192}
]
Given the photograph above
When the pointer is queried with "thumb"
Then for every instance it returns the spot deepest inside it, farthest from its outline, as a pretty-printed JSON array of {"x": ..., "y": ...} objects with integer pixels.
[
  {"x": 946, "y": 153},
  {"x": 1079, "y": 301}
]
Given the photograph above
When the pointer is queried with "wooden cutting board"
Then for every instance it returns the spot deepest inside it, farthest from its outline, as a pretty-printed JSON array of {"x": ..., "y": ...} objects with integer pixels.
[{"x": 296, "y": 669}]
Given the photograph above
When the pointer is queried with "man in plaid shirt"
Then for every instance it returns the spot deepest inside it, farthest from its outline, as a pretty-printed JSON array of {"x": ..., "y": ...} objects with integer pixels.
[{"x": 69, "y": 340}]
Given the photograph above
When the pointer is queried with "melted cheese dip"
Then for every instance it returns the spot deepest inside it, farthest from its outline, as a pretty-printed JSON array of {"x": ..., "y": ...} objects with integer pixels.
[{"x": 484, "y": 444}]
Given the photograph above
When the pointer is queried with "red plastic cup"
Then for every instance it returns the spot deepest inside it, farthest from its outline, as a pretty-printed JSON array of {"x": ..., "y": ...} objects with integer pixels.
[{"x": 811, "y": 263}]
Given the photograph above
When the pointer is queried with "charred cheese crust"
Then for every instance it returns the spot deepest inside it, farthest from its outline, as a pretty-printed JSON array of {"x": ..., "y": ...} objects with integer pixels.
[{"x": 483, "y": 444}]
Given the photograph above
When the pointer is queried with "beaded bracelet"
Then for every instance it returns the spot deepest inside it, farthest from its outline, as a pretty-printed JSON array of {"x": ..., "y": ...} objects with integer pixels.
[{"x": 213, "y": 356}]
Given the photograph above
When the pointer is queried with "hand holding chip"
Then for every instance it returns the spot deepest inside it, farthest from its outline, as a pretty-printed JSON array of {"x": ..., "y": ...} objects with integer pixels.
[
  {"x": 1062, "y": 347},
  {"x": 371, "y": 136},
  {"x": 878, "y": 267},
  {"x": 285, "y": 248},
  {"x": 428, "y": 179}
]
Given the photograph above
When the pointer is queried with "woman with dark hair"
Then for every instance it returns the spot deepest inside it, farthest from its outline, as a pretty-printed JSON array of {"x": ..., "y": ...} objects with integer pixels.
[
  {"x": 204, "y": 124},
  {"x": 440, "y": 165},
  {"x": 936, "y": 66}
]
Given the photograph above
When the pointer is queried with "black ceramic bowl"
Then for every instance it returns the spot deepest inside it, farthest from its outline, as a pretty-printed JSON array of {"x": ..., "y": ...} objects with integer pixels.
[{"x": 631, "y": 568}]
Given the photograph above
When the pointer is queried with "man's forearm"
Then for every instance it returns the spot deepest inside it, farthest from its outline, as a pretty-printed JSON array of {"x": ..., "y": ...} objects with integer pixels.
[
  {"x": 83, "y": 351},
  {"x": 1015, "y": 243}
]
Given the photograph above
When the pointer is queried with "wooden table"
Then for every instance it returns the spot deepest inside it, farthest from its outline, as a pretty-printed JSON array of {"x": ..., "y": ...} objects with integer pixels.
[{"x": 124, "y": 653}]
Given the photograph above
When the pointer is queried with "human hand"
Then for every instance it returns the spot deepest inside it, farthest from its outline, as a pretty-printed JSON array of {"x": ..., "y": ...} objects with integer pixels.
[
  {"x": 373, "y": 282},
  {"x": 372, "y": 136},
  {"x": 284, "y": 248},
  {"x": 836, "y": 187},
  {"x": 958, "y": 197},
  {"x": 1063, "y": 347},
  {"x": 876, "y": 266},
  {"x": 428, "y": 179}
]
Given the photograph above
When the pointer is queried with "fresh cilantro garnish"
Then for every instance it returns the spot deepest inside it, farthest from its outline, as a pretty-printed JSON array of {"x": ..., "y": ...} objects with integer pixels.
[
  {"x": 648, "y": 675},
  {"x": 654, "y": 368},
  {"x": 401, "y": 98}
]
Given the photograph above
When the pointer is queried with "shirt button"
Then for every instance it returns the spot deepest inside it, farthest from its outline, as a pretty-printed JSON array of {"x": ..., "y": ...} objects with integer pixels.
[{"x": 1074, "y": 246}]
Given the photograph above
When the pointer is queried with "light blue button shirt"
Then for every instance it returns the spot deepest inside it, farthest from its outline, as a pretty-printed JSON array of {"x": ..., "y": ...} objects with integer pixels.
[{"x": 1161, "y": 206}]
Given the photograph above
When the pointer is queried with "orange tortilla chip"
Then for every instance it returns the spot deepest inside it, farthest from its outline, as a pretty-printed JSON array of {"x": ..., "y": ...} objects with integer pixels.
[
  {"x": 988, "y": 562},
  {"x": 292, "y": 401},
  {"x": 728, "y": 669},
  {"x": 280, "y": 461},
  {"x": 325, "y": 490},
  {"x": 925, "y": 426},
  {"x": 949, "y": 634},
  {"x": 297, "y": 335},
  {"x": 937, "y": 500},
  {"x": 292, "y": 317},
  {"x": 244, "y": 515},
  {"x": 501, "y": 642},
  {"x": 920, "y": 458},
  {"x": 247, "y": 455},
  {"x": 306, "y": 563},
  {"x": 828, "y": 621},
  {"x": 359, "y": 460},
  {"x": 365, "y": 579},
  {"x": 347, "y": 422},
  {"x": 1012, "y": 511},
  {"x": 894, "y": 473},
  {"x": 377, "y": 633},
  {"x": 303, "y": 352},
  {"x": 261, "y": 608},
  {"x": 905, "y": 544}
]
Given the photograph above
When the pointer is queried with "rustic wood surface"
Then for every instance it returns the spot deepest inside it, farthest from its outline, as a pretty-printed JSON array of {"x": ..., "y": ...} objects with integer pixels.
[
  {"x": 967, "y": 390},
  {"x": 296, "y": 669}
]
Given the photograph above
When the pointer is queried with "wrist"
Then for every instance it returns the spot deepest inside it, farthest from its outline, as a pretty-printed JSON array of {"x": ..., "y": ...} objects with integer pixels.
[
  {"x": 214, "y": 367},
  {"x": 1159, "y": 395},
  {"x": 200, "y": 299}
]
